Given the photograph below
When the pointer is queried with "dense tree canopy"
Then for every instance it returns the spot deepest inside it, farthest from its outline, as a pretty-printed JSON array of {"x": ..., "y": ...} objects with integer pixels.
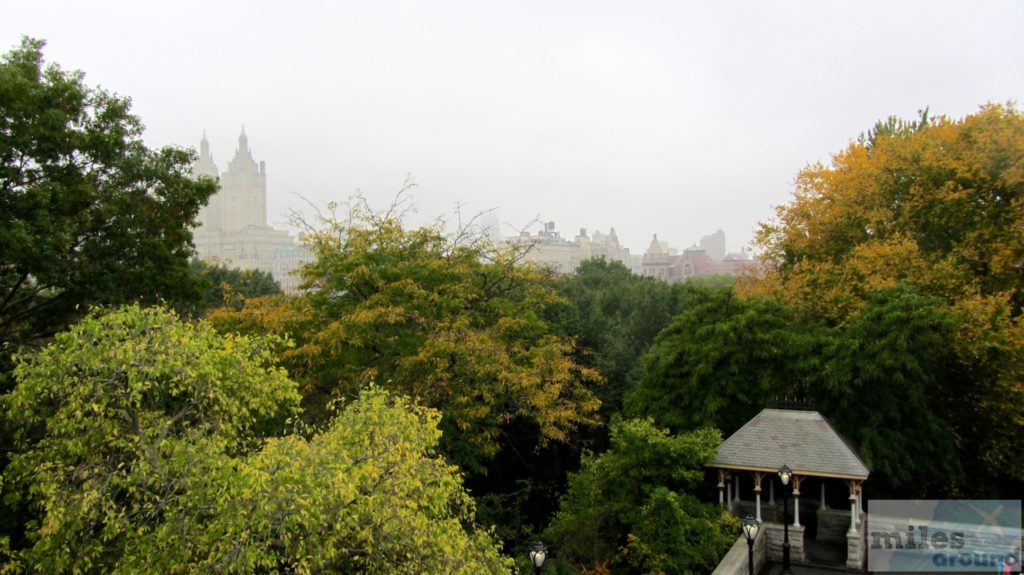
[
  {"x": 722, "y": 358},
  {"x": 110, "y": 417},
  {"x": 614, "y": 316},
  {"x": 138, "y": 451},
  {"x": 223, "y": 286},
  {"x": 888, "y": 379},
  {"x": 447, "y": 322},
  {"x": 937, "y": 205},
  {"x": 88, "y": 214},
  {"x": 893, "y": 384},
  {"x": 637, "y": 496}
]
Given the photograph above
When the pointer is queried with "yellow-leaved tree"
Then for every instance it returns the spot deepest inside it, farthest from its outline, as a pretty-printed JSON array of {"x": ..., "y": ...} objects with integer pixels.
[
  {"x": 936, "y": 205},
  {"x": 448, "y": 321}
]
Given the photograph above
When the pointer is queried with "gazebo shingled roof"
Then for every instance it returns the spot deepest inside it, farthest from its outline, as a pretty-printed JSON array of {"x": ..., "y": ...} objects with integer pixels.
[{"x": 804, "y": 440}]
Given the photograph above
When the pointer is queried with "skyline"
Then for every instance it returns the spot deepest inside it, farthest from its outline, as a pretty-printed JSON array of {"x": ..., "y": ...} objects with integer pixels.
[{"x": 651, "y": 118}]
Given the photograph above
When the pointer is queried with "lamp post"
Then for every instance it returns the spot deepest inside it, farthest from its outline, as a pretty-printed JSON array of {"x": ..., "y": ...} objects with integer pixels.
[
  {"x": 537, "y": 556},
  {"x": 785, "y": 475},
  {"x": 750, "y": 528}
]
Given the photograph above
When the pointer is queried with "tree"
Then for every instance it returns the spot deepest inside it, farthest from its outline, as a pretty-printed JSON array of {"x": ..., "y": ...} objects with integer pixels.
[
  {"x": 447, "y": 322},
  {"x": 934, "y": 203},
  {"x": 88, "y": 214},
  {"x": 938, "y": 205},
  {"x": 614, "y": 316},
  {"x": 367, "y": 494},
  {"x": 627, "y": 495},
  {"x": 113, "y": 414},
  {"x": 887, "y": 379},
  {"x": 894, "y": 385},
  {"x": 722, "y": 358},
  {"x": 224, "y": 286},
  {"x": 149, "y": 445},
  {"x": 677, "y": 533}
]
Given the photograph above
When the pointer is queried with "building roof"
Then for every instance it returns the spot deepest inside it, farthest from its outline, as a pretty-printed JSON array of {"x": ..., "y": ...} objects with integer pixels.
[
  {"x": 655, "y": 249},
  {"x": 741, "y": 256},
  {"x": 803, "y": 440}
]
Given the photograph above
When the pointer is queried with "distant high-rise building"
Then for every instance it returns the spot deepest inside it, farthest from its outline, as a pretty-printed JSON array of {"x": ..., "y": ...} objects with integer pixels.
[
  {"x": 490, "y": 226},
  {"x": 714, "y": 245},
  {"x": 233, "y": 226}
]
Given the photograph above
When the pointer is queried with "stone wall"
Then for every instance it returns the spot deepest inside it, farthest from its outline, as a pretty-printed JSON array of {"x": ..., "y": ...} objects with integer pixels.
[
  {"x": 833, "y": 525},
  {"x": 775, "y": 538},
  {"x": 736, "y": 561},
  {"x": 856, "y": 547}
]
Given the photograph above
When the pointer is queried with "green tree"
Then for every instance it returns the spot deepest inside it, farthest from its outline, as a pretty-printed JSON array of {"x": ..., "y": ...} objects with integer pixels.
[
  {"x": 618, "y": 497},
  {"x": 677, "y": 533},
  {"x": 723, "y": 358},
  {"x": 149, "y": 445},
  {"x": 224, "y": 286},
  {"x": 614, "y": 316},
  {"x": 88, "y": 214},
  {"x": 887, "y": 379},
  {"x": 893, "y": 385},
  {"x": 447, "y": 322}
]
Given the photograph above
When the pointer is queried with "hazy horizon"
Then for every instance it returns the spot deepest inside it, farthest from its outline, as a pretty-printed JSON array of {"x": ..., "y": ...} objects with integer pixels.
[{"x": 652, "y": 118}]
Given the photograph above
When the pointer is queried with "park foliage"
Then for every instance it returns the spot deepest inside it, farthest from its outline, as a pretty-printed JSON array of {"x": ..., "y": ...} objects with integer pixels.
[
  {"x": 150, "y": 445},
  {"x": 430, "y": 404},
  {"x": 88, "y": 214},
  {"x": 449, "y": 322}
]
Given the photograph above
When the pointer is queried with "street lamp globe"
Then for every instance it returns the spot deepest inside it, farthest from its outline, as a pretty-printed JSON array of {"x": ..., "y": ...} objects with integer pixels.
[
  {"x": 750, "y": 527},
  {"x": 785, "y": 474},
  {"x": 537, "y": 555}
]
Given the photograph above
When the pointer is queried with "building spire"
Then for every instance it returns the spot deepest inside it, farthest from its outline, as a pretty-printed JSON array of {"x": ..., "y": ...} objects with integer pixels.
[{"x": 243, "y": 140}]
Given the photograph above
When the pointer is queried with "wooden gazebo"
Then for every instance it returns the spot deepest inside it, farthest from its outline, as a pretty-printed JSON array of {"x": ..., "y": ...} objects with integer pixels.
[{"x": 807, "y": 443}]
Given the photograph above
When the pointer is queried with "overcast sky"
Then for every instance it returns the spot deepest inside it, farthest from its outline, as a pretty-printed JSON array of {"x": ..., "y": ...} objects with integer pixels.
[{"x": 673, "y": 118}]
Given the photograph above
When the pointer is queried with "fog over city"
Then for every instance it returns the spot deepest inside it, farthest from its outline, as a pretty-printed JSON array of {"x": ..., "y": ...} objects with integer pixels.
[{"x": 671, "y": 118}]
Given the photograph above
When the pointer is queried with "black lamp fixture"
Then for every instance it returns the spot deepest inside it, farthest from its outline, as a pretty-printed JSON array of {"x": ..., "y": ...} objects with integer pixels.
[
  {"x": 538, "y": 553},
  {"x": 750, "y": 528},
  {"x": 785, "y": 475}
]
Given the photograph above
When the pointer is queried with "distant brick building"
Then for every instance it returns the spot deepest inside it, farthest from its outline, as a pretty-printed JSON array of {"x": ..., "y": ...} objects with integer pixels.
[{"x": 694, "y": 262}]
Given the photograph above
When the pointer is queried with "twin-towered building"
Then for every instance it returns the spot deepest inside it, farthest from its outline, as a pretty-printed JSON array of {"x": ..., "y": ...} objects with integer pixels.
[{"x": 233, "y": 226}]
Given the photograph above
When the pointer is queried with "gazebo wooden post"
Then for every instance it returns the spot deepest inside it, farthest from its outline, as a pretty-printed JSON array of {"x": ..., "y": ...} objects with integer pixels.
[
  {"x": 728, "y": 490},
  {"x": 758, "y": 476},
  {"x": 854, "y": 488},
  {"x": 860, "y": 502},
  {"x": 823, "y": 504},
  {"x": 721, "y": 487},
  {"x": 796, "y": 499}
]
